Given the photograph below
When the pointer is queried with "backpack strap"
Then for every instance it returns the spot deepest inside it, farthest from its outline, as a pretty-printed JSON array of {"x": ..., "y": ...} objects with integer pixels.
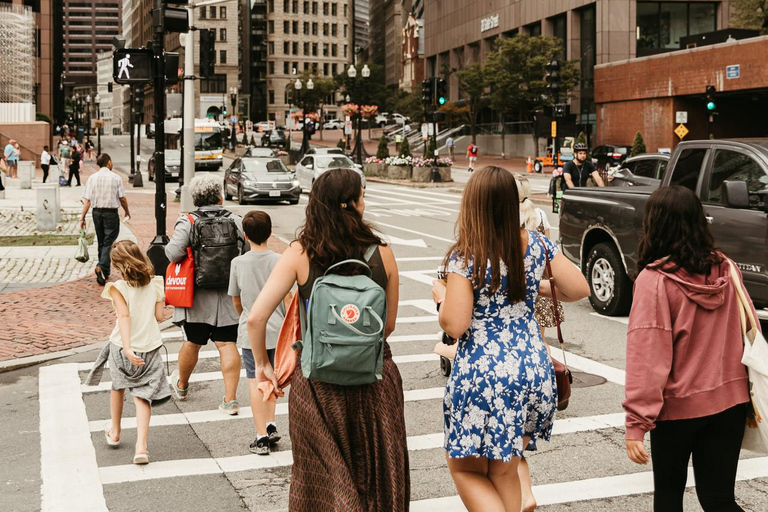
[
  {"x": 369, "y": 253},
  {"x": 361, "y": 263}
]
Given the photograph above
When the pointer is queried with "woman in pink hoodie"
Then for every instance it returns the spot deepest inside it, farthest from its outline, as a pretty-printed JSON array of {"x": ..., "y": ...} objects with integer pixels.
[{"x": 685, "y": 381}]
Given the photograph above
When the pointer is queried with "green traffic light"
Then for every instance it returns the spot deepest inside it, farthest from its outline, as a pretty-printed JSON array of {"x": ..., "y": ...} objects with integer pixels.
[
  {"x": 711, "y": 106},
  {"x": 441, "y": 100}
]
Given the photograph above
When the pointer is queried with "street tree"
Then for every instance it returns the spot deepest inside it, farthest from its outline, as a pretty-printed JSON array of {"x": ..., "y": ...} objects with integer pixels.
[
  {"x": 638, "y": 145},
  {"x": 515, "y": 72},
  {"x": 382, "y": 151},
  {"x": 750, "y": 14},
  {"x": 405, "y": 148},
  {"x": 473, "y": 85},
  {"x": 455, "y": 113},
  {"x": 409, "y": 105},
  {"x": 371, "y": 91}
]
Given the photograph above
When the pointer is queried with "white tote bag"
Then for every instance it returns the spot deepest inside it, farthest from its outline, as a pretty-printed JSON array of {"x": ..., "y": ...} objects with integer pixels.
[{"x": 755, "y": 358}]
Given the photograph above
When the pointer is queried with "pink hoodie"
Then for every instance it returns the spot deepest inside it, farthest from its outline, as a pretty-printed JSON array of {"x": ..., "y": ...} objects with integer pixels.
[{"x": 684, "y": 348}]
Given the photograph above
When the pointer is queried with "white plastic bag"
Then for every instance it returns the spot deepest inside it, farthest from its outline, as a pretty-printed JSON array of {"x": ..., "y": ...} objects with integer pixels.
[
  {"x": 755, "y": 358},
  {"x": 81, "y": 254}
]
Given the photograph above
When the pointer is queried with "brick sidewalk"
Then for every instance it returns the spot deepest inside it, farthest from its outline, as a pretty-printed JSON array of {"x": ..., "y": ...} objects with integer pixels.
[{"x": 69, "y": 315}]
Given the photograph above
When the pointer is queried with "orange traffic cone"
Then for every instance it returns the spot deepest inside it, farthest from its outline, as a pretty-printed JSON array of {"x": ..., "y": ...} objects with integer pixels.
[{"x": 529, "y": 165}]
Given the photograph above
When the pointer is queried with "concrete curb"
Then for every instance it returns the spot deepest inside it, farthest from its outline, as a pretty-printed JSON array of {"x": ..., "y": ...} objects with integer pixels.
[
  {"x": 412, "y": 184},
  {"x": 23, "y": 362}
]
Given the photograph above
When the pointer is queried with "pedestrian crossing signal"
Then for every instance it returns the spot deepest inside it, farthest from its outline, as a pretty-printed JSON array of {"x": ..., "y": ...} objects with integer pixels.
[{"x": 132, "y": 66}]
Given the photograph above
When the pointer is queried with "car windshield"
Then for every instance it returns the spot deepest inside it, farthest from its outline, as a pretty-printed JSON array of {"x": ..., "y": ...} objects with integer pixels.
[
  {"x": 262, "y": 152},
  {"x": 210, "y": 141},
  {"x": 334, "y": 162},
  {"x": 260, "y": 166},
  {"x": 620, "y": 150},
  {"x": 172, "y": 155}
]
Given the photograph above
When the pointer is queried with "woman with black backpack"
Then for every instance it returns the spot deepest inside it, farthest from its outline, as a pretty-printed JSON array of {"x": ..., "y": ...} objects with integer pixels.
[{"x": 349, "y": 444}]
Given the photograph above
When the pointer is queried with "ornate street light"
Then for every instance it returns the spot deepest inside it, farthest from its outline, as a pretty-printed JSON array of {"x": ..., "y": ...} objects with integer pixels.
[
  {"x": 352, "y": 74},
  {"x": 301, "y": 101}
]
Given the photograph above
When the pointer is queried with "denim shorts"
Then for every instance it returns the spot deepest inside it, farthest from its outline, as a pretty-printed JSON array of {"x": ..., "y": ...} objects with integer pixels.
[{"x": 250, "y": 364}]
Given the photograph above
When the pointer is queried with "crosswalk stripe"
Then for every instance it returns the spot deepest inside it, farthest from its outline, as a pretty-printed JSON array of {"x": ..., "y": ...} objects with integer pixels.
[
  {"x": 189, "y": 467},
  {"x": 594, "y": 488},
  {"x": 609, "y": 373}
]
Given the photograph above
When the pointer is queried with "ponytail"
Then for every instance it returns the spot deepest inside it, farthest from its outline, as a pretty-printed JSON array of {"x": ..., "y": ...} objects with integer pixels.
[{"x": 529, "y": 218}]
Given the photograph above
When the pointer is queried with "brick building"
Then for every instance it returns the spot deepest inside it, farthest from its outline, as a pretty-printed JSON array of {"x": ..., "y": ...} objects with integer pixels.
[{"x": 645, "y": 94}]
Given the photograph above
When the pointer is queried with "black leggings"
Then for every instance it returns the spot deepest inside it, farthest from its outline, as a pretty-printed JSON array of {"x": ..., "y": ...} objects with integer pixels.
[{"x": 715, "y": 442}]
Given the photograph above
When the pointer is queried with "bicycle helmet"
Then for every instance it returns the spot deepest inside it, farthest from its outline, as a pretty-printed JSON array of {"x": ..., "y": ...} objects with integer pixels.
[{"x": 579, "y": 146}]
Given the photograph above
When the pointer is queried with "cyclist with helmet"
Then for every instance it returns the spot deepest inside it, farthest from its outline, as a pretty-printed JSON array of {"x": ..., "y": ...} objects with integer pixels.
[{"x": 578, "y": 171}]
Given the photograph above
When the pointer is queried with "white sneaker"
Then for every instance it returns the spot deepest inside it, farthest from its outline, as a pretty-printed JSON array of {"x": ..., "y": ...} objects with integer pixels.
[{"x": 180, "y": 394}]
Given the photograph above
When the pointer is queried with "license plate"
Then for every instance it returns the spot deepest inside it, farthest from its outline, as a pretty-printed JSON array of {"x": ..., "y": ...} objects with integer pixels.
[{"x": 274, "y": 193}]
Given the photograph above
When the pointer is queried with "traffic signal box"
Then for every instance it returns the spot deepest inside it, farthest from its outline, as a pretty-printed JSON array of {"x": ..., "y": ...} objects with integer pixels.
[
  {"x": 441, "y": 93},
  {"x": 710, "y": 102},
  {"x": 207, "y": 51},
  {"x": 428, "y": 93}
]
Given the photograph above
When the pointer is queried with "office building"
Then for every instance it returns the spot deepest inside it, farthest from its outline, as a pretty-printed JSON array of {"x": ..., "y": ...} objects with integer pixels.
[
  {"x": 253, "y": 64},
  {"x": 362, "y": 23}
]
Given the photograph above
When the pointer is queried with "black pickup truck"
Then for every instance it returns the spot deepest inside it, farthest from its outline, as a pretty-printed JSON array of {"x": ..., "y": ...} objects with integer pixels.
[{"x": 600, "y": 227}]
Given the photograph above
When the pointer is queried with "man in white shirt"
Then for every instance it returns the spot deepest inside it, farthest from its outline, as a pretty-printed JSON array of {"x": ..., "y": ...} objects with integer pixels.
[{"x": 104, "y": 191}]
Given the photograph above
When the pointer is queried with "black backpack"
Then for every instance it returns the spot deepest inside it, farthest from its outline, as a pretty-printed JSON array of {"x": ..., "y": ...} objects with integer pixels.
[{"x": 215, "y": 243}]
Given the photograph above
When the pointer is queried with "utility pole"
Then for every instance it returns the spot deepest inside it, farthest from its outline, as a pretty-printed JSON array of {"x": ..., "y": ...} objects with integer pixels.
[
  {"x": 188, "y": 116},
  {"x": 131, "y": 127}
]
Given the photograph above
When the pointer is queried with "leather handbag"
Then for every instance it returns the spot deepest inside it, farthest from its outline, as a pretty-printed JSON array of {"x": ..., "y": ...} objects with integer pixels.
[{"x": 563, "y": 374}]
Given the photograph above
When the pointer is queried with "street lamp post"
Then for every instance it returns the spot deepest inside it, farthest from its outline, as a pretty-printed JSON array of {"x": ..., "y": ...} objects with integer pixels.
[
  {"x": 301, "y": 99},
  {"x": 349, "y": 142},
  {"x": 88, "y": 116},
  {"x": 352, "y": 74},
  {"x": 233, "y": 130},
  {"x": 97, "y": 102}
]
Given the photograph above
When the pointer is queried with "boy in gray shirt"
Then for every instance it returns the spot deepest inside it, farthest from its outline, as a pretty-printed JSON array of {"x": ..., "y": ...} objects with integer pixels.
[{"x": 248, "y": 275}]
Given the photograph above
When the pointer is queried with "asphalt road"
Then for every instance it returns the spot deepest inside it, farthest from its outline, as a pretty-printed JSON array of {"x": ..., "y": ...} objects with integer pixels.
[{"x": 200, "y": 456}]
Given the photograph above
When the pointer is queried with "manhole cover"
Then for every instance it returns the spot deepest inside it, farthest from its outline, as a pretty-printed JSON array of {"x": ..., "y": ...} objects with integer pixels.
[{"x": 586, "y": 380}]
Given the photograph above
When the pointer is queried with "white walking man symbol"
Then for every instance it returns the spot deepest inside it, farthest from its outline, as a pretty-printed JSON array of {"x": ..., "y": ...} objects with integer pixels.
[{"x": 124, "y": 64}]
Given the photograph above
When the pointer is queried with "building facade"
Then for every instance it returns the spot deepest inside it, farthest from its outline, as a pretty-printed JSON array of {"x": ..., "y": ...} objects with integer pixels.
[
  {"x": 103, "y": 110},
  {"x": 253, "y": 63},
  {"x": 362, "y": 16},
  {"x": 305, "y": 36},
  {"x": 88, "y": 27},
  {"x": 412, "y": 54},
  {"x": 460, "y": 33}
]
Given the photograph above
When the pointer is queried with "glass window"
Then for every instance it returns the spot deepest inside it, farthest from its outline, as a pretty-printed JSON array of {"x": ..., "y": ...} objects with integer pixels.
[
  {"x": 286, "y": 6},
  {"x": 334, "y": 69},
  {"x": 286, "y": 68},
  {"x": 286, "y": 48},
  {"x": 732, "y": 166},
  {"x": 271, "y": 67},
  {"x": 534, "y": 29},
  {"x": 306, "y": 28},
  {"x": 325, "y": 8},
  {"x": 662, "y": 168},
  {"x": 314, "y": 8},
  {"x": 314, "y": 49},
  {"x": 295, "y": 47},
  {"x": 560, "y": 31},
  {"x": 661, "y": 25},
  {"x": 271, "y": 5},
  {"x": 203, "y": 12},
  {"x": 345, "y": 30},
  {"x": 325, "y": 29},
  {"x": 306, "y": 48},
  {"x": 296, "y": 27},
  {"x": 213, "y": 12},
  {"x": 223, "y": 13},
  {"x": 306, "y": 7},
  {"x": 334, "y": 50},
  {"x": 286, "y": 27},
  {"x": 345, "y": 10},
  {"x": 334, "y": 9},
  {"x": 314, "y": 28},
  {"x": 325, "y": 68},
  {"x": 295, "y": 6},
  {"x": 688, "y": 168},
  {"x": 702, "y": 18},
  {"x": 271, "y": 97},
  {"x": 645, "y": 168},
  {"x": 271, "y": 47},
  {"x": 222, "y": 56},
  {"x": 271, "y": 27},
  {"x": 334, "y": 30},
  {"x": 222, "y": 34}
]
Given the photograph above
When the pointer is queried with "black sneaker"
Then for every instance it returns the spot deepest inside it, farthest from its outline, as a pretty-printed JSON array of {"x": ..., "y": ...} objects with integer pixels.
[
  {"x": 100, "y": 277},
  {"x": 260, "y": 446},
  {"x": 272, "y": 433}
]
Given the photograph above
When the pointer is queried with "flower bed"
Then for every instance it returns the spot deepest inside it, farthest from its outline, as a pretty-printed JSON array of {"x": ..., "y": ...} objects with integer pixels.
[
  {"x": 422, "y": 169},
  {"x": 375, "y": 167},
  {"x": 399, "y": 168}
]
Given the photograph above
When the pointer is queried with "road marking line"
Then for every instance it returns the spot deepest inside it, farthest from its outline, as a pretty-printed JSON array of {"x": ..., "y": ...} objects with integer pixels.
[
  {"x": 188, "y": 467},
  {"x": 454, "y": 198},
  {"x": 427, "y": 305},
  {"x": 620, "y": 319},
  {"x": 595, "y": 488},
  {"x": 421, "y": 276},
  {"x": 427, "y": 235},
  {"x": 69, "y": 469}
]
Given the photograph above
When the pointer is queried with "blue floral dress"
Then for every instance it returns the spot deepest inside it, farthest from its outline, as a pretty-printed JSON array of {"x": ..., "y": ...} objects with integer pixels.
[{"x": 502, "y": 386}]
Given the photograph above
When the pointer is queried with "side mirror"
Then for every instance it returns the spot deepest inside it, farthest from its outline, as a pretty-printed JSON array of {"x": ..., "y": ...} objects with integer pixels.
[
  {"x": 763, "y": 195},
  {"x": 736, "y": 194}
]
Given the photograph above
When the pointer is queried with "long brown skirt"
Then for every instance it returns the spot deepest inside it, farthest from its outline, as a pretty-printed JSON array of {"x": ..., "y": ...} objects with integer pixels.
[{"x": 349, "y": 445}]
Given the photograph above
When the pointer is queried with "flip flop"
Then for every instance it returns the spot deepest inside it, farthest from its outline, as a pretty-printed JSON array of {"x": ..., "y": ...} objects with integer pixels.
[
  {"x": 111, "y": 442},
  {"x": 141, "y": 458}
]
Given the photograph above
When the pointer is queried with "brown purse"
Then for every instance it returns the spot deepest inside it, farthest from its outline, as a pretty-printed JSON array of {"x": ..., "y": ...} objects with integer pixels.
[{"x": 563, "y": 374}]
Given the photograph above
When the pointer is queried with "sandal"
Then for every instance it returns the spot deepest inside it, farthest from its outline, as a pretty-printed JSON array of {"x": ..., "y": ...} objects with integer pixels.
[
  {"x": 141, "y": 458},
  {"x": 111, "y": 442}
]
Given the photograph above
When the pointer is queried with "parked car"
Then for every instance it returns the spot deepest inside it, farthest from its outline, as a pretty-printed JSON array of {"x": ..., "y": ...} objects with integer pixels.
[
  {"x": 640, "y": 170},
  {"x": 609, "y": 156},
  {"x": 255, "y": 152},
  {"x": 312, "y": 166},
  {"x": 325, "y": 151},
  {"x": 172, "y": 165},
  {"x": 261, "y": 126},
  {"x": 250, "y": 179},
  {"x": 333, "y": 124},
  {"x": 600, "y": 227},
  {"x": 385, "y": 118},
  {"x": 274, "y": 138}
]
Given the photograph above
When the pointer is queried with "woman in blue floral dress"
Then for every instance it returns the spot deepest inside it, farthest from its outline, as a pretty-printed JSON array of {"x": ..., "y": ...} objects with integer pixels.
[{"x": 501, "y": 396}]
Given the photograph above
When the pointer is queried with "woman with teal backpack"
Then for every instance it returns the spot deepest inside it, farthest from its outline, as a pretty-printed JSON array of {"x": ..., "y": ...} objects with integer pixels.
[{"x": 349, "y": 444}]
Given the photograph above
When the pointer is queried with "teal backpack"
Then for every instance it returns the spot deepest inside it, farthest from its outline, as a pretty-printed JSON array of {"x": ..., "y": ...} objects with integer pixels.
[{"x": 343, "y": 328}]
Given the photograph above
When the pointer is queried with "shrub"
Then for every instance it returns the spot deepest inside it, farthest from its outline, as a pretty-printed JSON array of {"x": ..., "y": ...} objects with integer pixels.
[
  {"x": 405, "y": 149},
  {"x": 253, "y": 140},
  {"x": 638, "y": 145},
  {"x": 383, "y": 151}
]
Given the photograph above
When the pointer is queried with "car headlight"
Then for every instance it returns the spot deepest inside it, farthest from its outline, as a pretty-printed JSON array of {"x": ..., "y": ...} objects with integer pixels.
[
  {"x": 250, "y": 183},
  {"x": 295, "y": 183},
  {"x": 219, "y": 156}
]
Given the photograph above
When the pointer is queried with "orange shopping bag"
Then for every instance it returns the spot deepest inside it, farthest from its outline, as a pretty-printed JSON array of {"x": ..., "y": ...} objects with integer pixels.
[{"x": 285, "y": 355}]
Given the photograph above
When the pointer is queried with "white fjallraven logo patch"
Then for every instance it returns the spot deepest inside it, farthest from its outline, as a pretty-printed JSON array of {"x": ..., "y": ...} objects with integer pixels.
[{"x": 350, "y": 313}]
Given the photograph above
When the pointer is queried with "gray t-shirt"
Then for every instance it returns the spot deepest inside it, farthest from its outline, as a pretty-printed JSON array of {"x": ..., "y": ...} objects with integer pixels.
[{"x": 247, "y": 277}]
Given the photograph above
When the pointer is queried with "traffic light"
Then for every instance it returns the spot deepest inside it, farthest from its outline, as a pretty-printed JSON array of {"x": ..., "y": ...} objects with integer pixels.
[
  {"x": 171, "y": 68},
  {"x": 442, "y": 92},
  {"x": 207, "y": 52},
  {"x": 428, "y": 92},
  {"x": 709, "y": 100},
  {"x": 553, "y": 78},
  {"x": 224, "y": 109}
]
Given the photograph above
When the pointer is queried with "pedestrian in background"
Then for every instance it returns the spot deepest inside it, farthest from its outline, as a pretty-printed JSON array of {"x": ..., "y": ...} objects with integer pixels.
[
  {"x": 133, "y": 351},
  {"x": 685, "y": 382},
  {"x": 11, "y": 158},
  {"x": 104, "y": 192},
  {"x": 472, "y": 152},
  {"x": 212, "y": 315},
  {"x": 89, "y": 148},
  {"x": 248, "y": 275},
  {"x": 45, "y": 162},
  {"x": 349, "y": 444},
  {"x": 64, "y": 150},
  {"x": 451, "y": 145},
  {"x": 495, "y": 272},
  {"x": 75, "y": 159}
]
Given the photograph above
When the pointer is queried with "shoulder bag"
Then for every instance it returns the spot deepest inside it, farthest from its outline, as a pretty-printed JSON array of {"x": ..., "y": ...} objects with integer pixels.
[{"x": 563, "y": 374}]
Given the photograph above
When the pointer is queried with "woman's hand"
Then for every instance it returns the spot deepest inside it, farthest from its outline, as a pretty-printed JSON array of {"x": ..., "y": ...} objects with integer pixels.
[
  {"x": 636, "y": 452},
  {"x": 265, "y": 373},
  {"x": 133, "y": 358},
  {"x": 438, "y": 290}
]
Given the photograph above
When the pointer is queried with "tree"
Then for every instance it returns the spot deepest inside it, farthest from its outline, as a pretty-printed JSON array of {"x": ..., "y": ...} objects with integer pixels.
[
  {"x": 750, "y": 14},
  {"x": 383, "y": 150},
  {"x": 455, "y": 113},
  {"x": 409, "y": 105},
  {"x": 253, "y": 140},
  {"x": 515, "y": 72},
  {"x": 405, "y": 148},
  {"x": 372, "y": 90},
  {"x": 473, "y": 84},
  {"x": 638, "y": 145},
  {"x": 244, "y": 140}
]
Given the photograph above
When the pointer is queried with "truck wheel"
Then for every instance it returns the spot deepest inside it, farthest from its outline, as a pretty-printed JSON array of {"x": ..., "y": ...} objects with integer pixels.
[
  {"x": 538, "y": 166},
  {"x": 611, "y": 289}
]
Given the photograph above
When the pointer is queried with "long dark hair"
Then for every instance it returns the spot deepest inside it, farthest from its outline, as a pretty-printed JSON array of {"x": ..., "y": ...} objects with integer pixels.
[
  {"x": 675, "y": 228},
  {"x": 333, "y": 229},
  {"x": 488, "y": 229}
]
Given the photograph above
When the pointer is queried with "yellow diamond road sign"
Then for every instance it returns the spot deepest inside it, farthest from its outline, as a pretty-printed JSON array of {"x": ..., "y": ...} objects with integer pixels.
[{"x": 681, "y": 131}]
